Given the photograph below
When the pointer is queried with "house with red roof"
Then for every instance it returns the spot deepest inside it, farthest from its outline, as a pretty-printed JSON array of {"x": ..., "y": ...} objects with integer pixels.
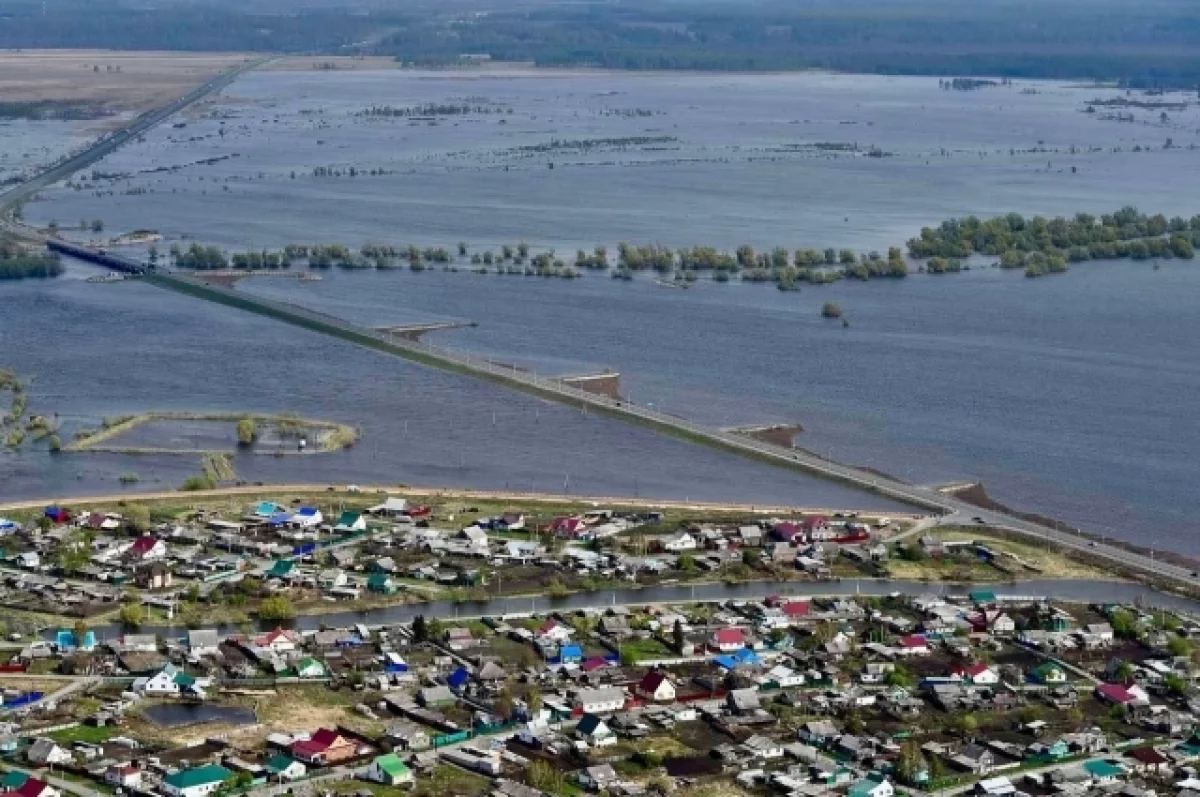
[
  {"x": 727, "y": 640},
  {"x": 796, "y": 609},
  {"x": 146, "y": 548},
  {"x": 592, "y": 664},
  {"x": 34, "y": 787},
  {"x": 656, "y": 685},
  {"x": 787, "y": 531},
  {"x": 977, "y": 674},
  {"x": 570, "y": 527},
  {"x": 553, "y": 631},
  {"x": 325, "y": 748},
  {"x": 1148, "y": 761},
  {"x": 1122, "y": 695},
  {"x": 817, "y": 528},
  {"x": 913, "y": 645},
  {"x": 281, "y": 640}
]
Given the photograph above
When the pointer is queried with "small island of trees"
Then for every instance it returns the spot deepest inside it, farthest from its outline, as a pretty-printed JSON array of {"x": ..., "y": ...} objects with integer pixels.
[
  {"x": 1046, "y": 246},
  {"x": 17, "y": 262}
]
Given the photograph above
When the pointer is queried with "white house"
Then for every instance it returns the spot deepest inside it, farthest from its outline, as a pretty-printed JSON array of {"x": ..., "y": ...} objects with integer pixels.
[
  {"x": 728, "y": 640},
  {"x": 979, "y": 674},
  {"x": 554, "y": 632},
  {"x": 679, "y": 542},
  {"x": 657, "y": 686},
  {"x": 763, "y": 747},
  {"x": 595, "y": 731},
  {"x": 203, "y": 642},
  {"x": 126, "y": 777},
  {"x": 785, "y": 677},
  {"x": 308, "y": 517},
  {"x": 600, "y": 701},
  {"x": 44, "y": 752},
  {"x": 29, "y": 560},
  {"x": 278, "y": 641}
]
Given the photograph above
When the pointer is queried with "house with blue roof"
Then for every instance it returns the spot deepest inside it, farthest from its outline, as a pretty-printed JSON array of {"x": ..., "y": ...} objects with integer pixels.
[
  {"x": 458, "y": 679},
  {"x": 307, "y": 517},
  {"x": 570, "y": 653},
  {"x": 742, "y": 658},
  {"x": 267, "y": 509}
]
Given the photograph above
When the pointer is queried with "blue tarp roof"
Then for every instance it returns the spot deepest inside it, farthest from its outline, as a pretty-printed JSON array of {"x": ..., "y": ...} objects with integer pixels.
[
  {"x": 570, "y": 652},
  {"x": 279, "y": 520},
  {"x": 725, "y": 661},
  {"x": 733, "y": 660},
  {"x": 458, "y": 677}
]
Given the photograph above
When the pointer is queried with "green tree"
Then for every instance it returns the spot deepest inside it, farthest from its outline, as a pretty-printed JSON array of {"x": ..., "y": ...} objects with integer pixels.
[
  {"x": 132, "y": 615},
  {"x": 1176, "y": 684},
  {"x": 137, "y": 517},
  {"x": 1124, "y": 623},
  {"x": 687, "y": 562},
  {"x": 1178, "y": 646},
  {"x": 541, "y": 775},
  {"x": 419, "y": 631},
  {"x": 677, "y": 636},
  {"x": 247, "y": 431},
  {"x": 72, "y": 553},
  {"x": 533, "y": 699},
  {"x": 276, "y": 607},
  {"x": 1123, "y": 671},
  {"x": 911, "y": 766}
]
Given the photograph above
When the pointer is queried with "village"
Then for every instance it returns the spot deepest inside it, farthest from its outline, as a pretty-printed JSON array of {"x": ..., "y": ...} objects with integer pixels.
[{"x": 802, "y": 692}]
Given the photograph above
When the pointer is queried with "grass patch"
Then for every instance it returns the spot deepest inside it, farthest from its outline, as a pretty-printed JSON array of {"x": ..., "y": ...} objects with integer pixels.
[
  {"x": 641, "y": 649},
  {"x": 83, "y": 733}
]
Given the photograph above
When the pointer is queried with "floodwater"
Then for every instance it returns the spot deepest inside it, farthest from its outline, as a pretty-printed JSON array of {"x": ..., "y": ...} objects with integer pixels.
[
  {"x": 107, "y": 350},
  {"x": 33, "y": 145},
  {"x": 1070, "y": 396},
  {"x": 1082, "y": 591},
  {"x": 173, "y": 715}
]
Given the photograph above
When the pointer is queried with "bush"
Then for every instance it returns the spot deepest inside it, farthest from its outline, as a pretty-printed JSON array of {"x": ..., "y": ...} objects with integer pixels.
[
  {"x": 831, "y": 310},
  {"x": 276, "y": 607},
  {"x": 132, "y": 615}
]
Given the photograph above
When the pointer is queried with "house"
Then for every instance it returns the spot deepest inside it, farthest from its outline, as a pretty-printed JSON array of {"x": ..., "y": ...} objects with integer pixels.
[
  {"x": 408, "y": 736},
  {"x": 1102, "y": 771},
  {"x": 350, "y": 522},
  {"x": 677, "y": 543},
  {"x": 1120, "y": 695},
  {"x": 817, "y": 528},
  {"x": 975, "y": 758},
  {"x": 282, "y": 768},
  {"x": 819, "y": 733},
  {"x": 282, "y": 569},
  {"x": 763, "y": 747},
  {"x": 153, "y": 575},
  {"x": 30, "y": 560},
  {"x": 599, "y": 777},
  {"x": 392, "y": 507},
  {"x": 168, "y": 682},
  {"x": 382, "y": 583},
  {"x": 600, "y": 701},
  {"x": 913, "y": 645},
  {"x": 535, "y": 733},
  {"x": 458, "y": 638},
  {"x": 44, "y": 752},
  {"x": 553, "y": 632},
  {"x": 280, "y": 640},
  {"x": 332, "y": 578},
  {"x": 308, "y": 517},
  {"x": 203, "y": 642},
  {"x": 145, "y": 549},
  {"x": 729, "y": 639},
  {"x": 436, "y": 696},
  {"x": 1148, "y": 761},
  {"x": 742, "y": 701},
  {"x": 595, "y": 731},
  {"x": 783, "y": 677},
  {"x": 268, "y": 509},
  {"x": 978, "y": 674},
  {"x": 324, "y": 748},
  {"x": 123, "y": 777},
  {"x": 872, "y": 786},
  {"x": 138, "y": 643},
  {"x": 36, "y": 787},
  {"x": 390, "y": 771},
  {"x": 615, "y": 626},
  {"x": 796, "y": 610},
  {"x": 197, "y": 781},
  {"x": 656, "y": 685},
  {"x": 310, "y": 668},
  {"x": 1048, "y": 673}
]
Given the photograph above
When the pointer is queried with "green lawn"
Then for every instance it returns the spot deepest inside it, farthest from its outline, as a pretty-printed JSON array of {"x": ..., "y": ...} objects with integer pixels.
[
  {"x": 645, "y": 649},
  {"x": 83, "y": 733},
  {"x": 442, "y": 782}
]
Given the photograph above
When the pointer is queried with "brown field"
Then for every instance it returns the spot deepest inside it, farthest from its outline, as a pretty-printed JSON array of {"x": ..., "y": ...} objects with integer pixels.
[{"x": 145, "y": 79}]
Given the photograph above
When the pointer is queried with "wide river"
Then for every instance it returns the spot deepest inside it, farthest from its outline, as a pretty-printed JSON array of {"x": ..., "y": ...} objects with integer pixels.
[{"x": 1072, "y": 396}]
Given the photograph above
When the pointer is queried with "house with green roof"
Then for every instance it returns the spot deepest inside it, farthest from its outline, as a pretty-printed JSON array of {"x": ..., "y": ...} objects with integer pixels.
[
  {"x": 197, "y": 781},
  {"x": 310, "y": 668},
  {"x": 1102, "y": 771},
  {"x": 873, "y": 785},
  {"x": 283, "y": 767},
  {"x": 1048, "y": 673},
  {"x": 982, "y": 597},
  {"x": 350, "y": 522},
  {"x": 281, "y": 569},
  {"x": 382, "y": 583},
  {"x": 13, "y": 780},
  {"x": 390, "y": 770}
]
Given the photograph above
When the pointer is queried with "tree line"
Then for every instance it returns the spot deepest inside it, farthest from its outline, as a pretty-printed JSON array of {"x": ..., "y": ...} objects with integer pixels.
[{"x": 1046, "y": 246}]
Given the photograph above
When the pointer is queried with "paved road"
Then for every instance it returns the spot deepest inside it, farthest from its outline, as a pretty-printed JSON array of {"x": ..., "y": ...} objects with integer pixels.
[{"x": 108, "y": 143}]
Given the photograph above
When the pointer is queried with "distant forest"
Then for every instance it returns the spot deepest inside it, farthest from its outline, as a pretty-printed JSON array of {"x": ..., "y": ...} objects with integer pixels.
[{"x": 1143, "y": 44}]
